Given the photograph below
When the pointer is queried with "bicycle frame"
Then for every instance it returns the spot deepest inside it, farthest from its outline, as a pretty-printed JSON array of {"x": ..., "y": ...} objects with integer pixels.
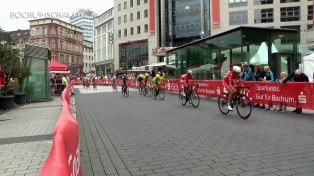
[{"x": 237, "y": 94}]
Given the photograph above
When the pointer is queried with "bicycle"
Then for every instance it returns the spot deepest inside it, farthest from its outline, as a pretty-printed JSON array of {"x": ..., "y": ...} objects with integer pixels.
[
  {"x": 141, "y": 88},
  {"x": 114, "y": 87},
  {"x": 191, "y": 96},
  {"x": 159, "y": 92},
  {"x": 146, "y": 89},
  {"x": 94, "y": 85},
  {"x": 125, "y": 90},
  {"x": 240, "y": 100}
]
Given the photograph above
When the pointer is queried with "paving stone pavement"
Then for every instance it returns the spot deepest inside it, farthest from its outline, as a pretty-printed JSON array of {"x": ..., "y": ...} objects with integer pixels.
[
  {"x": 137, "y": 135},
  {"x": 26, "y": 137}
]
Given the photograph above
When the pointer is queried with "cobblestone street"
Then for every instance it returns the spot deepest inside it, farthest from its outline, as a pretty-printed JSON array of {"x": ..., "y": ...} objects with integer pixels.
[{"x": 142, "y": 136}]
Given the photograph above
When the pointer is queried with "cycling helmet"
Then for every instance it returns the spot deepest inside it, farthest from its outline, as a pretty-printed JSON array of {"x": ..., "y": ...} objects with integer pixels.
[
  {"x": 237, "y": 69},
  {"x": 114, "y": 77},
  {"x": 190, "y": 72},
  {"x": 146, "y": 74}
]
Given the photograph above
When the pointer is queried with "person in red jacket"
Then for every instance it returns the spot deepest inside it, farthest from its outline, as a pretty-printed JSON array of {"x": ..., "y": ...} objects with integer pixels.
[{"x": 185, "y": 80}]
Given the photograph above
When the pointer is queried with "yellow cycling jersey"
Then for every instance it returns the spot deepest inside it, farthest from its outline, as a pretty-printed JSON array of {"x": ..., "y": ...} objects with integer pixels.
[{"x": 146, "y": 78}]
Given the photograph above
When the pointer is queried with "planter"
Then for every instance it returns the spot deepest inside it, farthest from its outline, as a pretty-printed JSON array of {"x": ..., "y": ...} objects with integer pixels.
[
  {"x": 7, "y": 102},
  {"x": 20, "y": 98}
]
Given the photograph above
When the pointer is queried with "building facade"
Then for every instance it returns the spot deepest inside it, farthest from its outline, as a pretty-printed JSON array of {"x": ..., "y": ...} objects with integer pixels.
[
  {"x": 186, "y": 21},
  {"x": 64, "y": 40},
  {"x": 136, "y": 33},
  {"x": 288, "y": 14},
  {"x": 84, "y": 19},
  {"x": 103, "y": 42},
  {"x": 88, "y": 57},
  {"x": 20, "y": 39}
]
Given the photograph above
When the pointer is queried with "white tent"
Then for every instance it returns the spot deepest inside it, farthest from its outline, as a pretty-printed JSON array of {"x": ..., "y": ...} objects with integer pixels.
[
  {"x": 261, "y": 56},
  {"x": 308, "y": 66}
]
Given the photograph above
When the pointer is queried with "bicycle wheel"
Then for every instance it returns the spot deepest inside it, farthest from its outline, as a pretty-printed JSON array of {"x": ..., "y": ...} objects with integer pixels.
[
  {"x": 195, "y": 99},
  {"x": 150, "y": 91},
  {"x": 182, "y": 98},
  {"x": 127, "y": 92},
  {"x": 162, "y": 94},
  {"x": 123, "y": 91},
  {"x": 223, "y": 104},
  {"x": 244, "y": 106}
]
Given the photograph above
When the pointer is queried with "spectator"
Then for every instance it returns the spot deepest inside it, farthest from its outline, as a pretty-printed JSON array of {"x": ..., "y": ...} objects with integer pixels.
[
  {"x": 247, "y": 73},
  {"x": 260, "y": 73},
  {"x": 269, "y": 77},
  {"x": 298, "y": 76},
  {"x": 64, "y": 82},
  {"x": 282, "y": 106},
  {"x": 252, "y": 68}
]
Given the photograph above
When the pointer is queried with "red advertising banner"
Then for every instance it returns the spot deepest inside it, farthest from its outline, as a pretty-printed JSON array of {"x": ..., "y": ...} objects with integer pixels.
[
  {"x": 152, "y": 20},
  {"x": 216, "y": 13},
  {"x": 291, "y": 94},
  {"x": 64, "y": 158}
]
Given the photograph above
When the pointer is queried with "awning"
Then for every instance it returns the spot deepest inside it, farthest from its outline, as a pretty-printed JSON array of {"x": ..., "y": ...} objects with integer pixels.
[
  {"x": 58, "y": 67},
  {"x": 159, "y": 64},
  {"x": 61, "y": 72},
  {"x": 204, "y": 67}
]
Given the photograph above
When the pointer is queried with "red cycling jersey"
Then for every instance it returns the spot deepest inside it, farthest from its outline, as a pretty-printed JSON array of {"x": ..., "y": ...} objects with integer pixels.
[
  {"x": 186, "y": 77},
  {"x": 234, "y": 77}
]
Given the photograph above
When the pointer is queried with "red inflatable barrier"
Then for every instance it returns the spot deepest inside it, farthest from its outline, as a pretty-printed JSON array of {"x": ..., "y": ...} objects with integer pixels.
[
  {"x": 292, "y": 94},
  {"x": 64, "y": 158}
]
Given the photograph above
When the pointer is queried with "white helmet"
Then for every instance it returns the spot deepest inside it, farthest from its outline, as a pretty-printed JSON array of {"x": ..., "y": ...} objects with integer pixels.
[
  {"x": 146, "y": 74},
  {"x": 237, "y": 69},
  {"x": 190, "y": 72}
]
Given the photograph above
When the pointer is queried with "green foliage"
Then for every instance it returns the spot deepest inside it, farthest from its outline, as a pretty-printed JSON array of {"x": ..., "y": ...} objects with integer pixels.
[{"x": 10, "y": 61}]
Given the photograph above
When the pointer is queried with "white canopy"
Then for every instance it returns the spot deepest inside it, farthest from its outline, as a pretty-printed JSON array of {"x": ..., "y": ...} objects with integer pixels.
[
  {"x": 159, "y": 64},
  {"x": 261, "y": 56},
  {"x": 308, "y": 66},
  {"x": 204, "y": 67}
]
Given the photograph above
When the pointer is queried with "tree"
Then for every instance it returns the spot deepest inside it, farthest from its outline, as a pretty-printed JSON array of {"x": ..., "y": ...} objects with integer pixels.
[{"x": 9, "y": 61}]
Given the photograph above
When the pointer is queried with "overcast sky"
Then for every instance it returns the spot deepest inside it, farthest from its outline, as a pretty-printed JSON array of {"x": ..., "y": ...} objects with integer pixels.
[{"x": 12, "y": 10}]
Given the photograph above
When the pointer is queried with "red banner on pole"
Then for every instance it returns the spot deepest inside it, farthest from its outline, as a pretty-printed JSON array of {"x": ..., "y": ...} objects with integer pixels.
[
  {"x": 216, "y": 13},
  {"x": 152, "y": 16}
]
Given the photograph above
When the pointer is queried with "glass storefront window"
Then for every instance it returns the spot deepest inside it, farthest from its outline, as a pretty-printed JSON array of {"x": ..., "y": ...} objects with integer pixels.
[
  {"x": 133, "y": 54},
  {"x": 212, "y": 57}
]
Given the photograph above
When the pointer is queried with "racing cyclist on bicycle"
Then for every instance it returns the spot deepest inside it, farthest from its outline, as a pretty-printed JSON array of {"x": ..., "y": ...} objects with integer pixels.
[
  {"x": 230, "y": 81},
  {"x": 124, "y": 80},
  {"x": 140, "y": 79},
  {"x": 185, "y": 80},
  {"x": 156, "y": 81},
  {"x": 146, "y": 78},
  {"x": 114, "y": 80}
]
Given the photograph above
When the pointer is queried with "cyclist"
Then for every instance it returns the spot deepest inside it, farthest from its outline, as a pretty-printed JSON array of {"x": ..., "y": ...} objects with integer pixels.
[
  {"x": 114, "y": 79},
  {"x": 229, "y": 82},
  {"x": 146, "y": 78},
  {"x": 140, "y": 80},
  {"x": 94, "y": 82},
  {"x": 185, "y": 80},
  {"x": 124, "y": 80},
  {"x": 156, "y": 81}
]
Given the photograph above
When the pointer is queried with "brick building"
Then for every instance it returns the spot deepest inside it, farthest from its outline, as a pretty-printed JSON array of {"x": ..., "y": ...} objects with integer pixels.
[{"x": 64, "y": 40}]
